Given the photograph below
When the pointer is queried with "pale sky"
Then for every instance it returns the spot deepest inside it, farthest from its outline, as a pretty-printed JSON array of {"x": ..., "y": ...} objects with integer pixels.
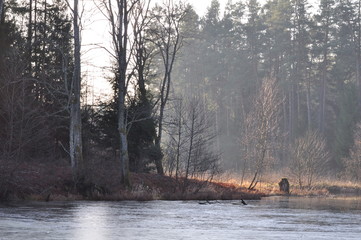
[
  {"x": 96, "y": 61},
  {"x": 201, "y": 5}
]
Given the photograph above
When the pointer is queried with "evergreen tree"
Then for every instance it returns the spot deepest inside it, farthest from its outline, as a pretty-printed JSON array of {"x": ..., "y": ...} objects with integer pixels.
[{"x": 322, "y": 54}]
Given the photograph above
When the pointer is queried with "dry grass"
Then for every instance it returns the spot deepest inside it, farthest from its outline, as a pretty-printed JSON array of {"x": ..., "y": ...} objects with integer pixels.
[{"x": 269, "y": 186}]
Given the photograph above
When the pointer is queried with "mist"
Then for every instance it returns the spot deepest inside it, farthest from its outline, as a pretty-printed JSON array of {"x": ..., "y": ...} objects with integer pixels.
[
  {"x": 309, "y": 54},
  {"x": 249, "y": 90}
]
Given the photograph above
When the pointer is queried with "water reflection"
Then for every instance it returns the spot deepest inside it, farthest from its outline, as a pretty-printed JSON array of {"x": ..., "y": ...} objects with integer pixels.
[
  {"x": 340, "y": 204},
  {"x": 91, "y": 221},
  {"x": 270, "y": 218}
]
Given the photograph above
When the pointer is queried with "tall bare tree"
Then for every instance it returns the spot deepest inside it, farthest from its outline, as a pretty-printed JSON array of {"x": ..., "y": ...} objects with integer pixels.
[
  {"x": 118, "y": 14},
  {"x": 167, "y": 36}
]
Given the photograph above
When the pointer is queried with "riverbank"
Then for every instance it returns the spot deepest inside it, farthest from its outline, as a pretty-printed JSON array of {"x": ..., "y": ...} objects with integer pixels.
[
  {"x": 323, "y": 187},
  {"x": 46, "y": 182},
  {"x": 50, "y": 182},
  {"x": 156, "y": 187}
]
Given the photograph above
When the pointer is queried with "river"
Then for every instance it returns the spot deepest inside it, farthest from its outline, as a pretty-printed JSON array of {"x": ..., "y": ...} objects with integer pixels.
[{"x": 269, "y": 218}]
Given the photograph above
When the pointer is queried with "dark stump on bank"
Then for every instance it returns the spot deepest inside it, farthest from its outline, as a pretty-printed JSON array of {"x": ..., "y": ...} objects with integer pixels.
[{"x": 284, "y": 185}]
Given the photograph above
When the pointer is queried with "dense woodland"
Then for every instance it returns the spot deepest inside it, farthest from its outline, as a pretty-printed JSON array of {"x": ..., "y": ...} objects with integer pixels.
[{"x": 256, "y": 89}]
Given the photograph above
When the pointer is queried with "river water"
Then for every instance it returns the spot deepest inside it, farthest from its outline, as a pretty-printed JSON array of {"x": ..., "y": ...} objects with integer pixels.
[{"x": 269, "y": 218}]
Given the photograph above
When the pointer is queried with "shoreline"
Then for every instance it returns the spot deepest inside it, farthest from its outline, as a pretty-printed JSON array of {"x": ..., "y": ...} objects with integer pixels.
[
  {"x": 112, "y": 198},
  {"x": 145, "y": 187},
  {"x": 54, "y": 183}
]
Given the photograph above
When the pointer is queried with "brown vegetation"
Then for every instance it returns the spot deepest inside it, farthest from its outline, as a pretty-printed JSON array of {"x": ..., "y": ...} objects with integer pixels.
[
  {"x": 46, "y": 182},
  {"x": 323, "y": 187}
]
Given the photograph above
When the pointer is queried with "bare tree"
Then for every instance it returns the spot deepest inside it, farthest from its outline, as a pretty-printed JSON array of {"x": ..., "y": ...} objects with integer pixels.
[
  {"x": 309, "y": 156},
  {"x": 24, "y": 133},
  {"x": 175, "y": 129},
  {"x": 23, "y": 122},
  {"x": 142, "y": 52},
  {"x": 261, "y": 130},
  {"x": 191, "y": 147},
  {"x": 166, "y": 34},
  {"x": 118, "y": 14},
  {"x": 120, "y": 41}
]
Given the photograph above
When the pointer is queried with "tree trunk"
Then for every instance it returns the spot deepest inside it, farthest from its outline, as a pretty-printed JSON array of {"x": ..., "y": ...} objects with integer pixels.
[
  {"x": 322, "y": 113},
  {"x": 322, "y": 102},
  {"x": 168, "y": 42},
  {"x": 76, "y": 146},
  {"x": 259, "y": 169},
  {"x": 190, "y": 149},
  {"x": 179, "y": 141},
  {"x": 30, "y": 35},
  {"x": 158, "y": 160},
  {"x": 308, "y": 99},
  {"x": 164, "y": 98},
  {"x": 122, "y": 40},
  {"x": 124, "y": 157},
  {"x": 291, "y": 115}
]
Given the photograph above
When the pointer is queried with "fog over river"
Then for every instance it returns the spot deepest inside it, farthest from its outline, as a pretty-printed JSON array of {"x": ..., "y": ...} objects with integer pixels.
[{"x": 269, "y": 218}]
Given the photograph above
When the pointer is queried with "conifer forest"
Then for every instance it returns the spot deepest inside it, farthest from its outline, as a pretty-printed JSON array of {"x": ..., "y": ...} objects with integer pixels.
[{"x": 251, "y": 89}]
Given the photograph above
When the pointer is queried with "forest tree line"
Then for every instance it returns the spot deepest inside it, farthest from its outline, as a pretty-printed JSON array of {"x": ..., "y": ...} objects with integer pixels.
[{"x": 255, "y": 89}]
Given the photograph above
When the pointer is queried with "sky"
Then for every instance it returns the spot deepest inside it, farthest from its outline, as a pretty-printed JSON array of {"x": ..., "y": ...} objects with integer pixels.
[
  {"x": 96, "y": 61},
  {"x": 201, "y": 5}
]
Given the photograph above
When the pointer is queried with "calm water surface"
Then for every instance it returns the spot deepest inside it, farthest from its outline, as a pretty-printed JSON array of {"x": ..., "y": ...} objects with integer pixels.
[{"x": 270, "y": 218}]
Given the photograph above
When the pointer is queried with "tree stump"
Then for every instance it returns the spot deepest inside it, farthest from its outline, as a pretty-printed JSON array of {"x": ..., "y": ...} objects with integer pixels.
[{"x": 284, "y": 185}]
